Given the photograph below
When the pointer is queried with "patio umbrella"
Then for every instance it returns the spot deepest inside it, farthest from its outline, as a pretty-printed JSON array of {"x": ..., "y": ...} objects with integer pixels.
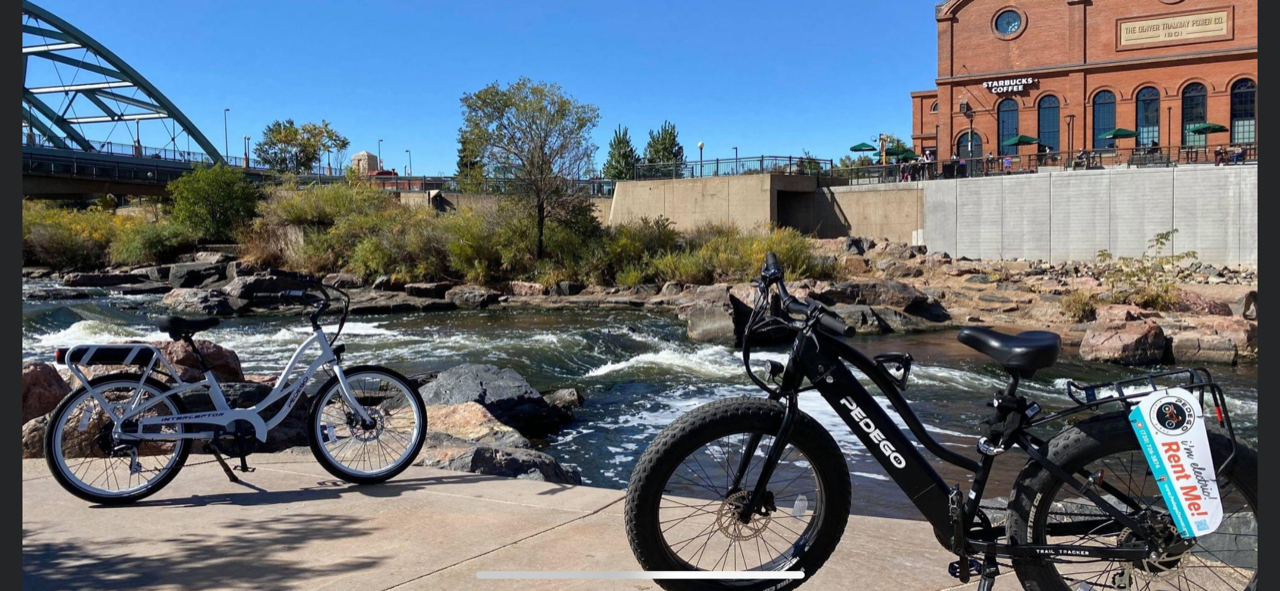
[
  {"x": 863, "y": 147},
  {"x": 1207, "y": 128},
  {"x": 1119, "y": 133},
  {"x": 908, "y": 155},
  {"x": 1021, "y": 140},
  {"x": 891, "y": 152}
]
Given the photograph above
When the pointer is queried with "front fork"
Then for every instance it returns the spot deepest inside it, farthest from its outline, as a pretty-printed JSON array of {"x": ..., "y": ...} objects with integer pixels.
[
  {"x": 780, "y": 441},
  {"x": 349, "y": 396}
]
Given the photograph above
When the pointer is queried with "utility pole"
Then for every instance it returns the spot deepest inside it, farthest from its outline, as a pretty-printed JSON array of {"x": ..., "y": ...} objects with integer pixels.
[{"x": 226, "y": 146}]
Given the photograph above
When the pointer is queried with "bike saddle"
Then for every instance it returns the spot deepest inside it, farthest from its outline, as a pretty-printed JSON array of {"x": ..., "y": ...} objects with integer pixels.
[
  {"x": 178, "y": 326},
  {"x": 1023, "y": 353}
]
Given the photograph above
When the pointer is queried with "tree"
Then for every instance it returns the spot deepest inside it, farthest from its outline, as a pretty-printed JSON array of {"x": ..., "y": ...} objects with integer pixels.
[
  {"x": 536, "y": 135},
  {"x": 664, "y": 148},
  {"x": 470, "y": 174},
  {"x": 809, "y": 165},
  {"x": 621, "y": 164},
  {"x": 214, "y": 202},
  {"x": 286, "y": 147}
]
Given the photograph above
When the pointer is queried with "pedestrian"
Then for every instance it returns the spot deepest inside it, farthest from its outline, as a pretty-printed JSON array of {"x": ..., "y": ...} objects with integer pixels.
[
  {"x": 1237, "y": 155},
  {"x": 1219, "y": 156}
]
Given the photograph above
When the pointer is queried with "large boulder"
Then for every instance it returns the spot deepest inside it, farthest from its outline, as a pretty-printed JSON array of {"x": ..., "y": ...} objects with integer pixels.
[
  {"x": 197, "y": 274},
  {"x": 451, "y": 453},
  {"x": 100, "y": 279},
  {"x": 224, "y": 362},
  {"x": 265, "y": 283},
  {"x": 367, "y": 301},
  {"x": 42, "y": 389},
  {"x": 33, "y": 437},
  {"x": 861, "y": 317},
  {"x": 1113, "y": 313},
  {"x": 526, "y": 288},
  {"x": 1199, "y": 346},
  {"x": 1191, "y": 302},
  {"x": 1140, "y": 342},
  {"x": 200, "y": 302},
  {"x": 342, "y": 280},
  {"x": 565, "y": 399},
  {"x": 502, "y": 391},
  {"x": 472, "y": 296},
  {"x": 1241, "y": 332},
  {"x": 874, "y": 292},
  {"x": 473, "y": 422},
  {"x": 433, "y": 289}
]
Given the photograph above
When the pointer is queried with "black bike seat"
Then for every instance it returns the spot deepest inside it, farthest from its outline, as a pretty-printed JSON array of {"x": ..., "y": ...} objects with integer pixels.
[
  {"x": 177, "y": 325},
  {"x": 1023, "y": 353}
]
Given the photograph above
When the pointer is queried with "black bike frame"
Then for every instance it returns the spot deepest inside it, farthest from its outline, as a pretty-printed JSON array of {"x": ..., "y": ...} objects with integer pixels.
[{"x": 819, "y": 357}]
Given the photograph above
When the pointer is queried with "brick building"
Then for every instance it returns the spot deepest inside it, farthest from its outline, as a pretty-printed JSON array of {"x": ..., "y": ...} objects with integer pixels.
[{"x": 1068, "y": 71}]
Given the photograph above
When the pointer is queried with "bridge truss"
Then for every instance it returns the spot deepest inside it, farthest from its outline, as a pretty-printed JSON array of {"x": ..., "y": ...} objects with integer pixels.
[{"x": 78, "y": 95}]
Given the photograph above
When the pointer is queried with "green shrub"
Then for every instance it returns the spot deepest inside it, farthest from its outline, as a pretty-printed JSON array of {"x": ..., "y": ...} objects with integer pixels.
[
  {"x": 66, "y": 238},
  {"x": 1079, "y": 306},
  {"x": 631, "y": 276},
  {"x": 321, "y": 205},
  {"x": 146, "y": 242},
  {"x": 474, "y": 249},
  {"x": 1150, "y": 280},
  {"x": 214, "y": 202},
  {"x": 682, "y": 267}
]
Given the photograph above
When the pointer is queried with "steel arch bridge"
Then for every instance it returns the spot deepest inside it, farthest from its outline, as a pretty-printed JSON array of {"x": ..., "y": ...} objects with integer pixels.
[{"x": 77, "y": 94}]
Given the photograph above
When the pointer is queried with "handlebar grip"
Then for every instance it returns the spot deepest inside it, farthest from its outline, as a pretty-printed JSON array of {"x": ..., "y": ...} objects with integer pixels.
[
  {"x": 835, "y": 325},
  {"x": 771, "y": 260}
]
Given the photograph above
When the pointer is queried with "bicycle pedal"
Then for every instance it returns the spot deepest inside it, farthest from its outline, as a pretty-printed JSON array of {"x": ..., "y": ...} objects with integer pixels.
[{"x": 975, "y": 567}]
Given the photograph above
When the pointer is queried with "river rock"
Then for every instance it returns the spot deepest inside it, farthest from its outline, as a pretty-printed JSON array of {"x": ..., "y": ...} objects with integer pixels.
[
  {"x": 1199, "y": 346},
  {"x": 861, "y": 317},
  {"x": 526, "y": 288},
  {"x": 565, "y": 399},
  {"x": 435, "y": 290},
  {"x": 873, "y": 292},
  {"x": 224, "y": 362},
  {"x": 858, "y": 244},
  {"x": 1114, "y": 313},
  {"x": 62, "y": 293},
  {"x": 211, "y": 256},
  {"x": 1190, "y": 302},
  {"x": 265, "y": 283},
  {"x": 569, "y": 288},
  {"x": 1140, "y": 342},
  {"x": 197, "y": 274},
  {"x": 472, "y": 296},
  {"x": 473, "y": 422},
  {"x": 342, "y": 280},
  {"x": 391, "y": 302},
  {"x": 852, "y": 265},
  {"x": 158, "y": 273},
  {"x": 1249, "y": 305},
  {"x": 450, "y": 453},
  {"x": 503, "y": 392},
  {"x": 144, "y": 288},
  {"x": 33, "y": 437},
  {"x": 671, "y": 288},
  {"x": 100, "y": 279},
  {"x": 203, "y": 302},
  {"x": 896, "y": 269},
  {"x": 42, "y": 389},
  {"x": 387, "y": 283}
]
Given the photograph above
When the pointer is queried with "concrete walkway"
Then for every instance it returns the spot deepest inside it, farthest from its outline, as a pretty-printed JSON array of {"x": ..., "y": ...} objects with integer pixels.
[{"x": 290, "y": 525}]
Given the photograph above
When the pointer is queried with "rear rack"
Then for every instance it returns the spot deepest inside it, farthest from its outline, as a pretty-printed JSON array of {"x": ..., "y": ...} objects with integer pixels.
[{"x": 1128, "y": 391}]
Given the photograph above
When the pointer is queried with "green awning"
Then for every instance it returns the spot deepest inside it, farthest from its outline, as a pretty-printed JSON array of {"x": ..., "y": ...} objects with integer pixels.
[
  {"x": 1119, "y": 133},
  {"x": 1021, "y": 140},
  {"x": 1207, "y": 128},
  {"x": 863, "y": 147}
]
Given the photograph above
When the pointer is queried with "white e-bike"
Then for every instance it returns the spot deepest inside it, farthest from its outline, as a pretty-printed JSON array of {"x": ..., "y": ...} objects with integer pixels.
[{"x": 123, "y": 436}]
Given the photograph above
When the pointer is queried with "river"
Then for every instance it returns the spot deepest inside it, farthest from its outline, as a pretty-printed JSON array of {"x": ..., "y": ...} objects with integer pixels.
[{"x": 637, "y": 370}]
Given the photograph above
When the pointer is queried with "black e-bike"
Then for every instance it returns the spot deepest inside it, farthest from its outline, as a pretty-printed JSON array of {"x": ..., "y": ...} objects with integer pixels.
[{"x": 746, "y": 484}]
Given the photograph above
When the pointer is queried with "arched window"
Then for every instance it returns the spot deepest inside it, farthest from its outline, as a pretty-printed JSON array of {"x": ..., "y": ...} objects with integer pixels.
[
  {"x": 969, "y": 145},
  {"x": 1007, "y": 122},
  {"x": 1048, "y": 124},
  {"x": 1148, "y": 116},
  {"x": 1104, "y": 119},
  {"x": 934, "y": 107},
  {"x": 1244, "y": 112},
  {"x": 1195, "y": 102}
]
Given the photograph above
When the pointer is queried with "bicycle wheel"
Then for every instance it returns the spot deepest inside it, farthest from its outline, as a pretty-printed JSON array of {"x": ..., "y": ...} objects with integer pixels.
[
  {"x": 90, "y": 463},
  {"x": 1044, "y": 511},
  {"x": 373, "y": 452},
  {"x": 681, "y": 507}
]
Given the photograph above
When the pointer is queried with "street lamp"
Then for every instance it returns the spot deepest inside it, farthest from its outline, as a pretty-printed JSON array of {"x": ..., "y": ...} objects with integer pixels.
[
  {"x": 735, "y": 160},
  {"x": 379, "y": 154},
  {"x": 246, "y": 151},
  {"x": 409, "y": 171},
  {"x": 225, "y": 144},
  {"x": 1071, "y": 133},
  {"x": 700, "y": 171}
]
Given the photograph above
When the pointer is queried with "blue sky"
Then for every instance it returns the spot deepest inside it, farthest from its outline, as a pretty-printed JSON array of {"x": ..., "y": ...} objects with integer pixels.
[{"x": 767, "y": 77}]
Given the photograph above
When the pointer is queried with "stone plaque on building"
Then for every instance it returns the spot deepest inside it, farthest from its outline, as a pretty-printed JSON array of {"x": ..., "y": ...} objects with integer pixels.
[{"x": 1213, "y": 24}]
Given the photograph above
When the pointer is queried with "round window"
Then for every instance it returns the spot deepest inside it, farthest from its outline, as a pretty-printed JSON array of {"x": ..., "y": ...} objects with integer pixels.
[{"x": 1008, "y": 22}]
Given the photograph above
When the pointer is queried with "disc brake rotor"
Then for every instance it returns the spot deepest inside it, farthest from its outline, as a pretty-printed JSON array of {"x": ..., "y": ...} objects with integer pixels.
[{"x": 733, "y": 528}]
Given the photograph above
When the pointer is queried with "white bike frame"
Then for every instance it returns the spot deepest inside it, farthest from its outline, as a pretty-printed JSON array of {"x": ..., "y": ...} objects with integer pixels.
[{"x": 222, "y": 415}]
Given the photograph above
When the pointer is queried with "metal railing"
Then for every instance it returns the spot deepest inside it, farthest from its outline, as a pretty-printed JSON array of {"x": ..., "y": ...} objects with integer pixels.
[
  {"x": 136, "y": 150},
  {"x": 71, "y": 166},
  {"x": 449, "y": 184},
  {"x": 794, "y": 165}
]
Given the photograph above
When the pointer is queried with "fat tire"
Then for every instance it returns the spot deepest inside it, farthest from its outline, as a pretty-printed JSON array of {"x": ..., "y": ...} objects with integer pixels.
[
  {"x": 56, "y": 417},
  {"x": 706, "y": 423},
  {"x": 314, "y": 415},
  {"x": 1075, "y": 447}
]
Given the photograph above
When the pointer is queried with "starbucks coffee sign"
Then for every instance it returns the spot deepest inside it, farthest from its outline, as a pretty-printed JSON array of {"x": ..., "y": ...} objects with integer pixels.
[{"x": 1009, "y": 85}]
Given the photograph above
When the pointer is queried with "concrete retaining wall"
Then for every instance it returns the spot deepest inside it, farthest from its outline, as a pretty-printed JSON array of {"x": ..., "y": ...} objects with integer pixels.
[
  {"x": 1070, "y": 216},
  {"x": 894, "y": 211}
]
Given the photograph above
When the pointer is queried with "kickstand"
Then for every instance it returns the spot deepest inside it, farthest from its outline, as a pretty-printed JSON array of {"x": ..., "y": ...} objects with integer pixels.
[{"x": 225, "y": 468}]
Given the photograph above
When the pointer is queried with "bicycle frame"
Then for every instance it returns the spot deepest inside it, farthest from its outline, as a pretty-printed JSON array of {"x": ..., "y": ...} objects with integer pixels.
[
  {"x": 222, "y": 415},
  {"x": 820, "y": 358}
]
